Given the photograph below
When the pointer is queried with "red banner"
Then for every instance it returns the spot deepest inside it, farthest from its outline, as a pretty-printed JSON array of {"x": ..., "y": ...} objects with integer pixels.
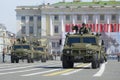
[
  {"x": 67, "y": 28},
  {"x": 96, "y": 27}
]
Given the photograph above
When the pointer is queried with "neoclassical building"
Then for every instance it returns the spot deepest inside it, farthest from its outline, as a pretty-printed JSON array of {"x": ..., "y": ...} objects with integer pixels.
[{"x": 52, "y": 21}]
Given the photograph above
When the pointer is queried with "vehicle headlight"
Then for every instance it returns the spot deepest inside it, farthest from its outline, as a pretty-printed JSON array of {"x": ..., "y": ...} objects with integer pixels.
[
  {"x": 68, "y": 52},
  {"x": 89, "y": 51}
]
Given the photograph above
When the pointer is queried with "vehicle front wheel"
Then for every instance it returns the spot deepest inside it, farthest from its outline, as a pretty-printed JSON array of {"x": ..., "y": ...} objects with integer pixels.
[
  {"x": 67, "y": 62},
  {"x": 12, "y": 59},
  {"x": 95, "y": 62}
]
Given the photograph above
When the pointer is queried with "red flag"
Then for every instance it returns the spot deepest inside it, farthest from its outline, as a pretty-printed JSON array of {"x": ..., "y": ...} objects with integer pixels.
[
  {"x": 91, "y": 26},
  {"x": 94, "y": 28},
  {"x": 87, "y": 25},
  {"x": 79, "y": 26},
  {"x": 118, "y": 27},
  {"x": 67, "y": 28},
  {"x": 101, "y": 28},
  {"x": 97, "y": 27},
  {"x": 71, "y": 25},
  {"x": 111, "y": 28},
  {"x": 115, "y": 27},
  {"x": 105, "y": 27}
]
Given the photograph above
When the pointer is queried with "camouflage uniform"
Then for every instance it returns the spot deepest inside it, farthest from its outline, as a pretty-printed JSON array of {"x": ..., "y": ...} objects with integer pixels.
[{"x": 83, "y": 29}]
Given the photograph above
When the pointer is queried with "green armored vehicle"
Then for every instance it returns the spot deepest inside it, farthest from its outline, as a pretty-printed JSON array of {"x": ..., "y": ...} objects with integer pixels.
[
  {"x": 41, "y": 53},
  {"x": 86, "y": 48},
  {"x": 22, "y": 51}
]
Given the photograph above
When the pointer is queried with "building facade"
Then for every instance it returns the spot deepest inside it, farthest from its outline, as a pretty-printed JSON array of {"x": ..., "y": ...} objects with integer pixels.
[
  {"x": 54, "y": 21},
  {"x": 6, "y": 39}
]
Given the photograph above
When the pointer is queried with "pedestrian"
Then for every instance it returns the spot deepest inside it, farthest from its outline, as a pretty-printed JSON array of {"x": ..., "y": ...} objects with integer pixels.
[
  {"x": 3, "y": 55},
  {"x": 118, "y": 56}
]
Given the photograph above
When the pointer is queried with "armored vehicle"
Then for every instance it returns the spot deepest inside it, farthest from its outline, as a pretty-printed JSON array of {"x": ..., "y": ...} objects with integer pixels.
[
  {"x": 41, "y": 53},
  {"x": 86, "y": 48},
  {"x": 22, "y": 51}
]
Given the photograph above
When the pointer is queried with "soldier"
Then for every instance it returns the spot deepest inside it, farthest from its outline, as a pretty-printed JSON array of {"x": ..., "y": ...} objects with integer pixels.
[
  {"x": 118, "y": 56},
  {"x": 75, "y": 28},
  {"x": 83, "y": 29},
  {"x": 3, "y": 55}
]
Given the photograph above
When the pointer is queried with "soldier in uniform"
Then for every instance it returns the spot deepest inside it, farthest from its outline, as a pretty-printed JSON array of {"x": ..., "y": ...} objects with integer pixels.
[
  {"x": 83, "y": 29},
  {"x": 3, "y": 55},
  {"x": 118, "y": 57}
]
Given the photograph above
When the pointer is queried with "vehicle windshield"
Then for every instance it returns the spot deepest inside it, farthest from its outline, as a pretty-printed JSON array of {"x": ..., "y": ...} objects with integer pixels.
[
  {"x": 21, "y": 46},
  {"x": 40, "y": 49},
  {"x": 91, "y": 40},
  {"x": 73, "y": 40}
]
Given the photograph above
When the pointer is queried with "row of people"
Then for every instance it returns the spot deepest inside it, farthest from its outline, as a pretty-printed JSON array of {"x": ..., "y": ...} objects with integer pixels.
[{"x": 82, "y": 30}]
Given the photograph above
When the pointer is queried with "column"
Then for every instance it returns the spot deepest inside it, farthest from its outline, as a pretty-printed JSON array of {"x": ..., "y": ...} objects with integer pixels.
[
  {"x": 107, "y": 18},
  {"x": 51, "y": 26},
  {"x": 27, "y": 25},
  {"x": 84, "y": 18},
  {"x": 62, "y": 32},
  {"x": 108, "y": 21},
  {"x": 95, "y": 19},
  {"x": 43, "y": 25},
  {"x": 119, "y": 18},
  {"x": 19, "y": 26},
  {"x": 62, "y": 24},
  {"x": 74, "y": 19},
  {"x": 35, "y": 26}
]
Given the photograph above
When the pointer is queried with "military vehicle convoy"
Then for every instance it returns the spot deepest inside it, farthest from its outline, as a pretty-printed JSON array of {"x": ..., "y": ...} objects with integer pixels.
[
  {"x": 23, "y": 50},
  {"x": 41, "y": 53},
  {"x": 83, "y": 47}
]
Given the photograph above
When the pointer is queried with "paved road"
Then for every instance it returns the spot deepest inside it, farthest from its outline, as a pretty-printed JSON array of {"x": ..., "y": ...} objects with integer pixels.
[{"x": 52, "y": 70}]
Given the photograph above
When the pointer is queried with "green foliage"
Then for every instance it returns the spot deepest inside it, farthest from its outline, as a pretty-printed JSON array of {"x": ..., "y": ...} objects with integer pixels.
[{"x": 88, "y": 3}]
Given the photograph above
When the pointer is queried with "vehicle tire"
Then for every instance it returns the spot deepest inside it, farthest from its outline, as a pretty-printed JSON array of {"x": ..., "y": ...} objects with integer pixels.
[
  {"x": 43, "y": 60},
  {"x": 32, "y": 60},
  {"x": 28, "y": 60},
  {"x": 98, "y": 64},
  {"x": 67, "y": 62},
  {"x": 118, "y": 58},
  {"x": 17, "y": 60},
  {"x": 101, "y": 59},
  {"x": 95, "y": 63},
  {"x": 12, "y": 58}
]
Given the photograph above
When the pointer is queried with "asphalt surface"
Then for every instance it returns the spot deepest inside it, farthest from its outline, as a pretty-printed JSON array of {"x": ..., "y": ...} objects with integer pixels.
[{"x": 52, "y": 70}]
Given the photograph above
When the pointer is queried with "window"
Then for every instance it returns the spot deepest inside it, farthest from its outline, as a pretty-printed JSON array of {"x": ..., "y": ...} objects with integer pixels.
[
  {"x": 90, "y": 17},
  {"x": 31, "y": 18},
  {"x": 39, "y": 18},
  {"x": 113, "y": 17},
  {"x": 23, "y": 18},
  {"x": 67, "y": 17},
  {"x": 89, "y": 40},
  {"x": 31, "y": 30},
  {"x": 23, "y": 29},
  {"x": 56, "y": 29},
  {"x": 58, "y": 45},
  {"x": 73, "y": 40},
  {"x": 39, "y": 29},
  {"x": 79, "y": 17},
  {"x": 101, "y": 17},
  {"x": 53, "y": 44},
  {"x": 56, "y": 17}
]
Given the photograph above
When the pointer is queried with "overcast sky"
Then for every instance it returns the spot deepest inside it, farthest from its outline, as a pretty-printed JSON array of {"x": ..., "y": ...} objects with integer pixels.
[{"x": 8, "y": 14}]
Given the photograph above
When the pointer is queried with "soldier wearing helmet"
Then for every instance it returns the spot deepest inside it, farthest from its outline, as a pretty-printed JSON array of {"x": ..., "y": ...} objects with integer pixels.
[{"x": 83, "y": 29}]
